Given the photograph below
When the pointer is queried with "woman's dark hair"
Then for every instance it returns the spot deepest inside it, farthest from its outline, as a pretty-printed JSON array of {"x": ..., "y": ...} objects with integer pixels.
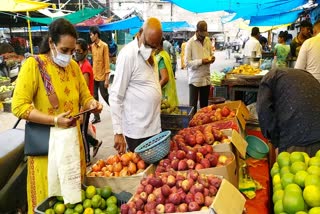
[
  {"x": 83, "y": 44},
  {"x": 95, "y": 30},
  {"x": 56, "y": 29},
  {"x": 284, "y": 35}
]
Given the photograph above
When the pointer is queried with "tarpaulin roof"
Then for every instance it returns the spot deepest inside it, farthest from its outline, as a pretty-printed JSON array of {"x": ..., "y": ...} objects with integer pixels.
[
  {"x": 277, "y": 19},
  {"x": 172, "y": 26},
  {"x": 22, "y": 5},
  {"x": 74, "y": 18},
  {"x": 245, "y": 9},
  {"x": 134, "y": 22}
]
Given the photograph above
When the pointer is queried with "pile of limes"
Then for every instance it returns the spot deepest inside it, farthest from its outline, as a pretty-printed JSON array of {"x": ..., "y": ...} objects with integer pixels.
[
  {"x": 94, "y": 201},
  {"x": 296, "y": 183}
]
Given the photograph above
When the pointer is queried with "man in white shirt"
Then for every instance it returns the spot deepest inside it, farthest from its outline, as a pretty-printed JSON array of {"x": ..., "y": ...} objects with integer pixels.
[
  {"x": 309, "y": 55},
  {"x": 198, "y": 57},
  {"x": 135, "y": 94},
  {"x": 251, "y": 45}
]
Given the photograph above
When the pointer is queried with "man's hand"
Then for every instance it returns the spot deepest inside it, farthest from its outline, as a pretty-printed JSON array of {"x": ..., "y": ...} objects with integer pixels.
[
  {"x": 120, "y": 143},
  {"x": 106, "y": 82},
  {"x": 208, "y": 60}
]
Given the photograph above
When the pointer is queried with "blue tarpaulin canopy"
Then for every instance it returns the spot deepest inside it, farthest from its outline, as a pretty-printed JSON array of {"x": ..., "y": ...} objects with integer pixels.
[
  {"x": 134, "y": 22},
  {"x": 274, "y": 20},
  {"x": 245, "y": 9}
]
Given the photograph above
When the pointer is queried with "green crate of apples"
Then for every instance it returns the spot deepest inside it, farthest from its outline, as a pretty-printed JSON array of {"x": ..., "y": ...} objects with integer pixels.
[
  {"x": 296, "y": 183},
  {"x": 94, "y": 201},
  {"x": 166, "y": 108}
]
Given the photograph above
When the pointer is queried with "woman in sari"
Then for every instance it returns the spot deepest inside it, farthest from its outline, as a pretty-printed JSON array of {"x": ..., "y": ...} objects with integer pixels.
[
  {"x": 167, "y": 80},
  {"x": 30, "y": 99}
]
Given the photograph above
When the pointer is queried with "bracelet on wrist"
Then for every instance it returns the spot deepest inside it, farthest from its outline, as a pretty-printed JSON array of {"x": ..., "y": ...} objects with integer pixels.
[{"x": 55, "y": 121}]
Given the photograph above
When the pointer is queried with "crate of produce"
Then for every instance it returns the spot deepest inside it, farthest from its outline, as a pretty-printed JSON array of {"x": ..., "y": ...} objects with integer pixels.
[
  {"x": 176, "y": 121},
  {"x": 5, "y": 94},
  {"x": 100, "y": 200}
]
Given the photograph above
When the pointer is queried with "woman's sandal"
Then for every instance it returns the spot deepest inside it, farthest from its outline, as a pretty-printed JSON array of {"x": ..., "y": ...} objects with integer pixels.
[{"x": 96, "y": 149}]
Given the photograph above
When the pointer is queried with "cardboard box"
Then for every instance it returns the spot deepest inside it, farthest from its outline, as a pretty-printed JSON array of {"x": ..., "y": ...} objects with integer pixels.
[
  {"x": 242, "y": 112},
  {"x": 119, "y": 184}
]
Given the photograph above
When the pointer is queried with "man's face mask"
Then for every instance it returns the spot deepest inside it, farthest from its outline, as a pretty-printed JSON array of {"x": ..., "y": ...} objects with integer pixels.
[{"x": 61, "y": 59}]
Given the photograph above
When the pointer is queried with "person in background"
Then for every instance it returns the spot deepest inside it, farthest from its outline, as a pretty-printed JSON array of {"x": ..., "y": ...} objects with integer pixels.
[
  {"x": 183, "y": 47},
  {"x": 167, "y": 81},
  {"x": 101, "y": 67},
  {"x": 287, "y": 99},
  {"x": 81, "y": 52},
  {"x": 304, "y": 34},
  {"x": 30, "y": 100},
  {"x": 198, "y": 59},
  {"x": 289, "y": 39},
  {"x": 281, "y": 50},
  {"x": 252, "y": 46},
  {"x": 228, "y": 48},
  {"x": 168, "y": 47},
  {"x": 113, "y": 50},
  {"x": 135, "y": 94},
  {"x": 264, "y": 43},
  {"x": 309, "y": 55}
]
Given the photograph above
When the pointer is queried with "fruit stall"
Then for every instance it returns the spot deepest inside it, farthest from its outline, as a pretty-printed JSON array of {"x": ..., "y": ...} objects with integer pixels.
[
  {"x": 6, "y": 91},
  {"x": 195, "y": 170}
]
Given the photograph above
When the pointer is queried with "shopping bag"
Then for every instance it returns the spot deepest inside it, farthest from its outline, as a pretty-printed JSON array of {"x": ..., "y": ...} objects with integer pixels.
[{"x": 64, "y": 171}]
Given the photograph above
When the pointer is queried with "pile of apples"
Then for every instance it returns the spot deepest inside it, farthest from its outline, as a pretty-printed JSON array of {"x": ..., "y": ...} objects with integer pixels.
[
  {"x": 173, "y": 192},
  {"x": 118, "y": 166},
  {"x": 199, "y": 135},
  {"x": 211, "y": 114}
]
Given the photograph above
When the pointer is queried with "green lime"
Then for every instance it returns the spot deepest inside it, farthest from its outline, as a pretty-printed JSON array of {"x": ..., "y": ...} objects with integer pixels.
[
  {"x": 112, "y": 209},
  {"x": 96, "y": 201},
  {"x": 87, "y": 204},
  {"x": 111, "y": 200},
  {"x": 68, "y": 211},
  {"x": 90, "y": 191},
  {"x": 49, "y": 211},
  {"x": 106, "y": 192},
  {"x": 103, "y": 204},
  {"x": 78, "y": 208},
  {"x": 98, "y": 190}
]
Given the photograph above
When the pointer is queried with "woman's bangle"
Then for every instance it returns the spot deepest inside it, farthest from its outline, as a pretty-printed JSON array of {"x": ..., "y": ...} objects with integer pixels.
[{"x": 55, "y": 120}]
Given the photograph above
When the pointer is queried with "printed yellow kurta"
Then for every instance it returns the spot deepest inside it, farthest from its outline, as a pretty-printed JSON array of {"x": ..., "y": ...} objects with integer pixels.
[{"x": 72, "y": 92}]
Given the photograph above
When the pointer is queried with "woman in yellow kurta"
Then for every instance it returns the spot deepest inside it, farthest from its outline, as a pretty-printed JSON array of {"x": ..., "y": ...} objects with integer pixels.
[
  {"x": 167, "y": 80},
  {"x": 30, "y": 100}
]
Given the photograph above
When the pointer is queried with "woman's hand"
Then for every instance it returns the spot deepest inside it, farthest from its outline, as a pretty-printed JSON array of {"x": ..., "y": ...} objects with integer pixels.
[
  {"x": 65, "y": 121},
  {"x": 120, "y": 143},
  {"x": 96, "y": 106}
]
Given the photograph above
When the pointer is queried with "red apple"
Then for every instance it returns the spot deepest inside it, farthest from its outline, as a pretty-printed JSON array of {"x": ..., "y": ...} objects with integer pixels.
[
  {"x": 181, "y": 154},
  {"x": 186, "y": 185},
  {"x": 132, "y": 211},
  {"x": 206, "y": 192},
  {"x": 198, "y": 187},
  {"x": 191, "y": 164},
  {"x": 209, "y": 149},
  {"x": 203, "y": 150},
  {"x": 166, "y": 190},
  {"x": 171, "y": 181},
  {"x": 213, "y": 190},
  {"x": 150, "y": 206},
  {"x": 189, "y": 198},
  {"x": 199, "y": 166},
  {"x": 174, "y": 164},
  {"x": 202, "y": 179},
  {"x": 144, "y": 181},
  {"x": 215, "y": 181},
  {"x": 199, "y": 157},
  {"x": 161, "y": 199},
  {"x": 155, "y": 182},
  {"x": 191, "y": 181},
  {"x": 175, "y": 198},
  {"x": 193, "y": 206},
  {"x": 172, "y": 155},
  {"x": 166, "y": 162},
  {"x": 204, "y": 208},
  {"x": 192, "y": 155},
  {"x": 180, "y": 176},
  {"x": 213, "y": 159},
  {"x": 179, "y": 184},
  {"x": 190, "y": 139},
  {"x": 151, "y": 197},
  {"x": 160, "y": 209},
  {"x": 182, "y": 208},
  {"x": 157, "y": 191},
  {"x": 139, "y": 204},
  {"x": 199, "y": 198},
  {"x": 205, "y": 163},
  {"x": 225, "y": 111},
  {"x": 124, "y": 208},
  {"x": 148, "y": 189},
  {"x": 169, "y": 208},
  {"x": 144, "y": 196},
  {"x": 131, "y": 204},
  {"x": 208, "y": 201},
  {"x": 182, "y": 165},
  {"x": 193, "y": 174},
  {"x": 217, "y": 134},
  {"x": 140, "y": 189}
]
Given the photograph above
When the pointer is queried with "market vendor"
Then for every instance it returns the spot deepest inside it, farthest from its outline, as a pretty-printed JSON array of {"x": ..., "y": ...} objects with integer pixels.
[
  {"x": 252, "y": 47},
  {"x": 135, "y": 94},
  {"x": 287, "y": 107},
  {"x": 303, "y": 35}
]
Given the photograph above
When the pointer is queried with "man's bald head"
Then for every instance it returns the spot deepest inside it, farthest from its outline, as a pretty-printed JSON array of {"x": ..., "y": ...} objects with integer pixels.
[
  {"x": 152, "y": 32},
  {"x": 316, "y": 28}
]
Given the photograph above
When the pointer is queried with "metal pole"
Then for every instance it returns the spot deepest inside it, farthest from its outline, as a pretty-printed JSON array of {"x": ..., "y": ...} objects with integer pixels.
[{"x": 30, "y": 37}]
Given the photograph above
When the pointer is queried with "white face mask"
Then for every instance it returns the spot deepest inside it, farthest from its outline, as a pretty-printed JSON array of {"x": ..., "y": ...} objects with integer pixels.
[
  {"x": 61, "y": 59},
  {"x": 145, "y": 51}
]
